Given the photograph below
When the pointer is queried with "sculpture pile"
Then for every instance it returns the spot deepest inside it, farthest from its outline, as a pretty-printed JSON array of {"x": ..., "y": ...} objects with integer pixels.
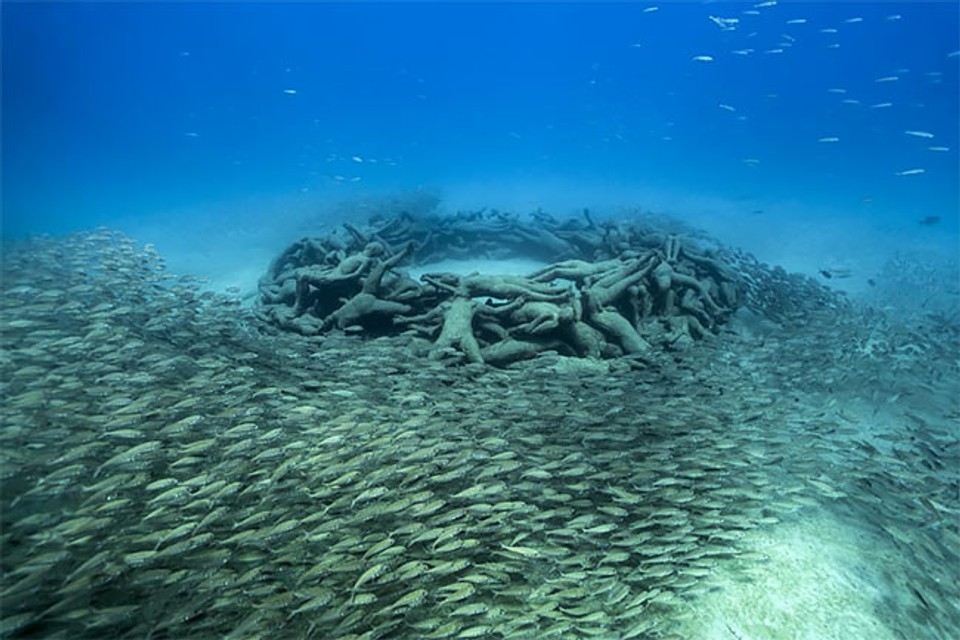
[{"x": 609, "y": 289}]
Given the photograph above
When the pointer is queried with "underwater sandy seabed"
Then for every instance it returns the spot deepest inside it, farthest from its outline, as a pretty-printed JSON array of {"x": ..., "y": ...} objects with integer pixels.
[
  {"x": 837, "y": 570},
  {"x": 801, "y": 479}
]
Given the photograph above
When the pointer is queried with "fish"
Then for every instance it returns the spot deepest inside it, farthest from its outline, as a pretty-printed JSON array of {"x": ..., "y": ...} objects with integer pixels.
[
  {"x": 318, "y": 601},
  {"x": 619, "y": 495},
  {"x": 797, "y": 21},
  {"x": 918, "y": 134},
  {"x": 929, "y": 221},
  {"x": 938, "y": 149},
  {"x": 474, "y": 609},
  {"x": 369, "y": 575},
  {"x": 829, "y": 139},
  {"x": 370, "y": 494},
  {"x": 725, "y": 24},
  {"x": 835, "y": 273},
  {"x": 526, "y": 552},
  {"x": 290, "y": 92},
  {"x": 130, "y": 455},
  {"x": 702, "y": 58},
  {"x": 411, "y": 599},
  {"x": 910, "y": 172},
  {"x": 887, "y": 79}
]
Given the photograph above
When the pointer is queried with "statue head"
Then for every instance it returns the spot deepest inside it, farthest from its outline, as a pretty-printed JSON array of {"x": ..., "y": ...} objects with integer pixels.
[{"x": 373, "y": 250}]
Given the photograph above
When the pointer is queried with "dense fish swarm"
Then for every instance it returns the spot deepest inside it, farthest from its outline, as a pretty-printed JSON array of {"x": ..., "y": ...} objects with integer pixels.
[{"x": 170, "y": 471}]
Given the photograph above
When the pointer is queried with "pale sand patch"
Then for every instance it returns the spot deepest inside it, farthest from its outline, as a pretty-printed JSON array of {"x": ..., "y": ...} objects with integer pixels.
[{"x": 818, "y": 585}]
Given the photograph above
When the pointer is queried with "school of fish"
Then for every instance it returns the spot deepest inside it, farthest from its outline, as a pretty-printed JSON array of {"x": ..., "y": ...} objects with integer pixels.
[{"x": 170, "y": 469}]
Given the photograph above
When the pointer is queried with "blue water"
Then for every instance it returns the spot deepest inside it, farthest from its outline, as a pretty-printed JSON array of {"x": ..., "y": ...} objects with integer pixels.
[{"x": 132, "y": 111}]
